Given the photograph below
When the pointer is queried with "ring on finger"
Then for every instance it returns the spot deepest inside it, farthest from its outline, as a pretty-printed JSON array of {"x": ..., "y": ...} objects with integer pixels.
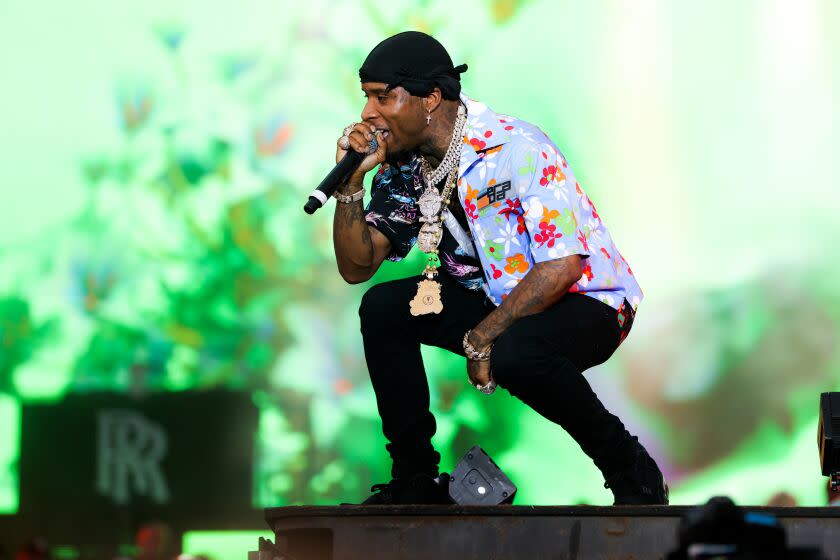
[
  {"x": 349, "y": 129},
  {"x": 344, "y": 142},
  {"x": 487, "y": 389}
]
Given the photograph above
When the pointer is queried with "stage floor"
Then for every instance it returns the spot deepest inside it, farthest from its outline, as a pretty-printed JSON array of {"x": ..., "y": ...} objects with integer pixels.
[{"x": 510, "y": 532}]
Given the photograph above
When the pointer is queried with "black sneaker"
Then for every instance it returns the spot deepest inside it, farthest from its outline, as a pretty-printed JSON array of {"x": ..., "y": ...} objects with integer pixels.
[
  {"x": 419, "y": 489},
  {"x": 641, "y": 484}
]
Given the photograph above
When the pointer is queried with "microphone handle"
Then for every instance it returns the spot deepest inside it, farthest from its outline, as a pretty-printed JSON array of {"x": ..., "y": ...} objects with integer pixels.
[
  {"x": 351, "y": 160},
  {"x": 323, "y": 192}
]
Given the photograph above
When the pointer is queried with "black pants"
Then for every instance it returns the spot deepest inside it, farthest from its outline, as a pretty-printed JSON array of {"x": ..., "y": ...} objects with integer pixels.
[{"x": 539, "y": 360}]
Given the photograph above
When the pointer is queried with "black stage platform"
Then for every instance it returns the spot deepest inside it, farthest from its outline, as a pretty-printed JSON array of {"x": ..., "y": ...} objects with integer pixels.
[{"x": 509, "y": 532}]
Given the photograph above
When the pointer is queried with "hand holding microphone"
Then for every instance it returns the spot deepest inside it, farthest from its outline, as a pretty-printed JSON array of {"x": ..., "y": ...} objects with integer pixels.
[
  {"x": 365, "y": 149},
  {"x": 359, "y": 138}
]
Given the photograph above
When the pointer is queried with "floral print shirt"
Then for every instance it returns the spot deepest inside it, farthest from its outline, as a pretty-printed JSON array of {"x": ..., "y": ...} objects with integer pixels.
[
  {"x": 393, "y": 210},
  {"x": 523, "y": 206}
]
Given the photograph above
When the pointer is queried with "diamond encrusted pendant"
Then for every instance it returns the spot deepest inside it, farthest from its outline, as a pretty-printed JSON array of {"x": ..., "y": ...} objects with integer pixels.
[
  {"x": 430, "y": 202},
  {"x": 429, "y": 237},
  {"x": 427, "y": 299}
]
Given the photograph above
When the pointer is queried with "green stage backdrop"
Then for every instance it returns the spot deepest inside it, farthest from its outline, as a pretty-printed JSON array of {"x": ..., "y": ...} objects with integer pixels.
[{"x": 155, "y": 158}]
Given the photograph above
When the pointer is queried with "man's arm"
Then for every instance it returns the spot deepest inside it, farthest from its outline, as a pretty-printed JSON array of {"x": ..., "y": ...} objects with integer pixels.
[
  {"x": 543, "y": 286},
  {"x": 359, "y": 248},
  {"x": 550, "y": 278}
]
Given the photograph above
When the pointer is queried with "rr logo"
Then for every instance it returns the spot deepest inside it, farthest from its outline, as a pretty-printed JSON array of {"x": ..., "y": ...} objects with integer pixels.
[{"x": 130, "y": 449}]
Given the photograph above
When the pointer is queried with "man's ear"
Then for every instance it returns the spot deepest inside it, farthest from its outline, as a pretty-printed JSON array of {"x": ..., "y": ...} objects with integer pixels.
[{"x": 432, "y": 101}]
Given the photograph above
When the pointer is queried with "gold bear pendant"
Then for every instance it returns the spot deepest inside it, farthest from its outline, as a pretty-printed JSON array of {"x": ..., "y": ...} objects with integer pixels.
[{"x": 427, "y": 299}]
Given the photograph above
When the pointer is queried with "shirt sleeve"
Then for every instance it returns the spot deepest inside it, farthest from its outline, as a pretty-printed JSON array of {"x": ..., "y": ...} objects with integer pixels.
[
  {"x": 551, "y": 203},
  {"x": 393, "y": 211}
]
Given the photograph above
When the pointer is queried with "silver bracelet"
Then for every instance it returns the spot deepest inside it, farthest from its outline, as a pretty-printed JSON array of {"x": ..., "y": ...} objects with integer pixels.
[
  {"x": 348, "y": 198},
  {"x": 472, "y": 353}
]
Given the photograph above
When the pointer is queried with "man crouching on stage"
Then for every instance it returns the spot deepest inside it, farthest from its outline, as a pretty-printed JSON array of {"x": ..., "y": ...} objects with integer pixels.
[{"x": 522, "y": 278}]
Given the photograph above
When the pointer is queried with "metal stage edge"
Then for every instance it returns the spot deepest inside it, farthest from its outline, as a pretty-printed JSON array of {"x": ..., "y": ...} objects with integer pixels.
[{"x": 510, "y": 532}]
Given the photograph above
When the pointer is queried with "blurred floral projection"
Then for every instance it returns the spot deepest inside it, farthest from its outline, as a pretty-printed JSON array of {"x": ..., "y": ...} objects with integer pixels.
[{"x": 183, "y": 261}]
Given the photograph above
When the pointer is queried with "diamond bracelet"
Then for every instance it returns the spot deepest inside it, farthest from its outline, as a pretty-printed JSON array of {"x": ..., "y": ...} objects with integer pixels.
[
  {"x": 472, "y": 353},
  {"x": 348, "y": 198}
]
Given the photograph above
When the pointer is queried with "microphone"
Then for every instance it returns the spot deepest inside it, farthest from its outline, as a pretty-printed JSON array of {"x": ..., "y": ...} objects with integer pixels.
[{"x": 351, "y": 160}]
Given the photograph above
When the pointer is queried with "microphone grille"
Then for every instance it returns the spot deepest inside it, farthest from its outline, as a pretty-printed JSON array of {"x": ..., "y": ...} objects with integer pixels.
[{"x": 373, "y": 145}]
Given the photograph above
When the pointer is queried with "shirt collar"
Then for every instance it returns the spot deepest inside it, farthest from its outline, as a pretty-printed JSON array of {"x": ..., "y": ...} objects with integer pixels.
[{"x": 484, "y": 130}]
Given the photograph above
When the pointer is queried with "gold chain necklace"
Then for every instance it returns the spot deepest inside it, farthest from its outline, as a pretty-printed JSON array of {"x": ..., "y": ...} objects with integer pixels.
[
  {"x": 432, "y": 204},
  {"x": 452, "y": 155}
]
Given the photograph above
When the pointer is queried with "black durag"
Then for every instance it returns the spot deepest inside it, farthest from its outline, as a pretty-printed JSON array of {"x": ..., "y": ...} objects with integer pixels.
[{"x": 415, "y": 61}]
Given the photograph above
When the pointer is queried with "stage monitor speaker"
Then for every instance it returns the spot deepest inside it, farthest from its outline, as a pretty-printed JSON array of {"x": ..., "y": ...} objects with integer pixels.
[{"x": 478, "y": 481}]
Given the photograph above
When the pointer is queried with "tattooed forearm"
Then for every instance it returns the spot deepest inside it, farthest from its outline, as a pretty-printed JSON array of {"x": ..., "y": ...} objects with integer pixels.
[
  {"x": 541, "y": 288},
  {"x": 352, "y": 241},
  {"x": 349, "y": 214},
  {"x": 366, "y": 235}
]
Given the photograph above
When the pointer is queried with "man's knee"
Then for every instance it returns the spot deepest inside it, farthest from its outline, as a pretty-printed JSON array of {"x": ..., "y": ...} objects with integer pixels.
[
  {"x": 381, "y": 304},
  {"x": 506, "y": 359},
  {"x": 519, "y": 357},
  {"x": 373, "y": 303}
]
